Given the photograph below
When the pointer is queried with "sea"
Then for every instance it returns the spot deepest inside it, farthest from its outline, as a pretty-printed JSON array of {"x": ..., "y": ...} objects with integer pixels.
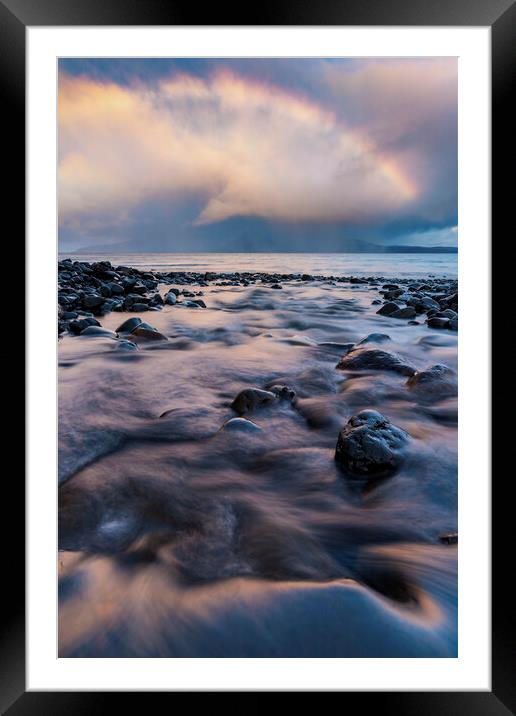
[
  {"x": 356, "y": 264},
  {"x": 179, "y": 537}
]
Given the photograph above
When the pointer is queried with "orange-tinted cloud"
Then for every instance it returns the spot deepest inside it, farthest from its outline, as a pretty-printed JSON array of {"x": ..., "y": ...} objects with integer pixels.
[{"x": 246, "y": 148}]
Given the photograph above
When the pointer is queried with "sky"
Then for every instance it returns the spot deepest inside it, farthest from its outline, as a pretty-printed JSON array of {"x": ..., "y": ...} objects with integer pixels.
[{"x": 257, "y": 154}]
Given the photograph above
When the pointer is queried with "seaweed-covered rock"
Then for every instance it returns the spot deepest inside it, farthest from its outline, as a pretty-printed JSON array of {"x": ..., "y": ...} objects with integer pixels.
[{"x": 370, "y": 446}]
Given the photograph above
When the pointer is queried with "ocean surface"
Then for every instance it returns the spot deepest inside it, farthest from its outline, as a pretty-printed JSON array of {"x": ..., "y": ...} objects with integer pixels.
[
  {"x": 179, "y": 539},
  {"x": 388, "y": 265}
]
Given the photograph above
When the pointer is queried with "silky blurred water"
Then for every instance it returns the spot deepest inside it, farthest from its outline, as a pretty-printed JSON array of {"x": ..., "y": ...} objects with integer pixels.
[
  {"x": 388, "y": 265},
  {"x": 179, "y": 539}
]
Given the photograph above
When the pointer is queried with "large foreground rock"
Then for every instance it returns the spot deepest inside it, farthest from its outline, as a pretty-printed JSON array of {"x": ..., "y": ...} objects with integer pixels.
[
  {"x": 374, "y": 359},
  {"x": 370, "y": 446}
]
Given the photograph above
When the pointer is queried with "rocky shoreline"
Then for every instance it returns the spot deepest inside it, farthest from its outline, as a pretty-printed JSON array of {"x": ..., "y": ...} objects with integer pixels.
[
  {"x": 253, "y": 434},
  {"x": 87, "y": 291}
]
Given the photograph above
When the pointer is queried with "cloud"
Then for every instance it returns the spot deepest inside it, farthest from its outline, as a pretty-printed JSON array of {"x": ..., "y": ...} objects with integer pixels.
[
  {"x": 248, "y": 148},
  {"x": 447, "y": 236}
]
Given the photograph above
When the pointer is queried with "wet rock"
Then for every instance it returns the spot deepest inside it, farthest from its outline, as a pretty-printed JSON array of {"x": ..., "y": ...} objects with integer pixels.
[
  {"x": 150, "y": 335},
  {"x": 373, "y": 359},
  {"x": 241, "y": 425},
  {"x": 370, "y": 446},
  {"x": 447, "y": 313},
  {"x": 276, "y": 286},
  {"x": 436, "y": 322},
  {"x": 251, "y": 398},
  {"x": 193, "y": 303},
  {"x": 374, "y": 338},
  {"x": 426, "y": 304},
  {"x": 116, "y": 289},
  {"x": 129, "y": 325},
  {"x": 449, "y": 538},
  {"x": 389, "y": 295},
  {"x": 170, "y": 298},
  {"x": 92, "y": 300},
  {"x": 284, "y": 392},
  {"x": 452, "y": 301},
  {"x": 139, "y": 307},
  {"x": 406, "y": 312},
  {"x": 145, "y": 325},
  {"x": 156, "y": 300},
  {"x": 434, "y": 383},
  {"x": 125, "y": 345},
  {"x": 78, "y": 325},
  {"x": 98, "y": 331},
  {"x": 387, "y": 308}
]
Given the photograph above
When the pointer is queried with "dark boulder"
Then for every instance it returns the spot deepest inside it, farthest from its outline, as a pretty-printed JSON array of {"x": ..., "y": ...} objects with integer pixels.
[
  {"x": 369, "y": 446},
  {"x": 434, "y": 383},
  {"x": 438, "y": 322},
  {"x": 78, "y": 325},
  {"x": 406, "y": 312},
  {"x": 374, "y": 359},
  {"x": 98, "y": 331},
  {"x": 240, "y": 425},
  {"x": 150, "y": 335},
  {"x": 129, "y": 325},
  {"x": 251, "y": 398},
  {"x": 284, "y": 392},
  {"x": 116, "y": 289},
  {"x": 92, "y": 300},
  {"x": 374, "y": 338},
  {"x": 125, "y": 345},
  {"x": 387, "y": 308}
]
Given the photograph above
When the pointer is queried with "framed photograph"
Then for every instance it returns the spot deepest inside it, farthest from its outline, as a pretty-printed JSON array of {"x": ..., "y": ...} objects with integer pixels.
[{"x": 258, "y": 432}]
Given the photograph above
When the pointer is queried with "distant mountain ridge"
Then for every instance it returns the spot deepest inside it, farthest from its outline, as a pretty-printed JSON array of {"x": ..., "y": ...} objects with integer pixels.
[{"x": 349, "y": 247}]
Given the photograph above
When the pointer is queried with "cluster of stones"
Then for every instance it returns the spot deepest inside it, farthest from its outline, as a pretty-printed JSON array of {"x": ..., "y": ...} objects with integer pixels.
[
  {"x": 87, "y": 290},
  {"x": 369, "y": 446},
  {"x": 439, "y": 300}
]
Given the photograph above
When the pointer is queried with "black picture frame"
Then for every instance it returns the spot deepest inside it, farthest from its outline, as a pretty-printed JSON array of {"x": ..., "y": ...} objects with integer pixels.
[{"x": 500, "y": 15}]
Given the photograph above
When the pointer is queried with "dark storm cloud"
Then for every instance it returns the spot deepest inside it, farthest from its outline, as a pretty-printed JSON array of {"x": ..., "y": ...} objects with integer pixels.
[{"x": 163, "y": 148}]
